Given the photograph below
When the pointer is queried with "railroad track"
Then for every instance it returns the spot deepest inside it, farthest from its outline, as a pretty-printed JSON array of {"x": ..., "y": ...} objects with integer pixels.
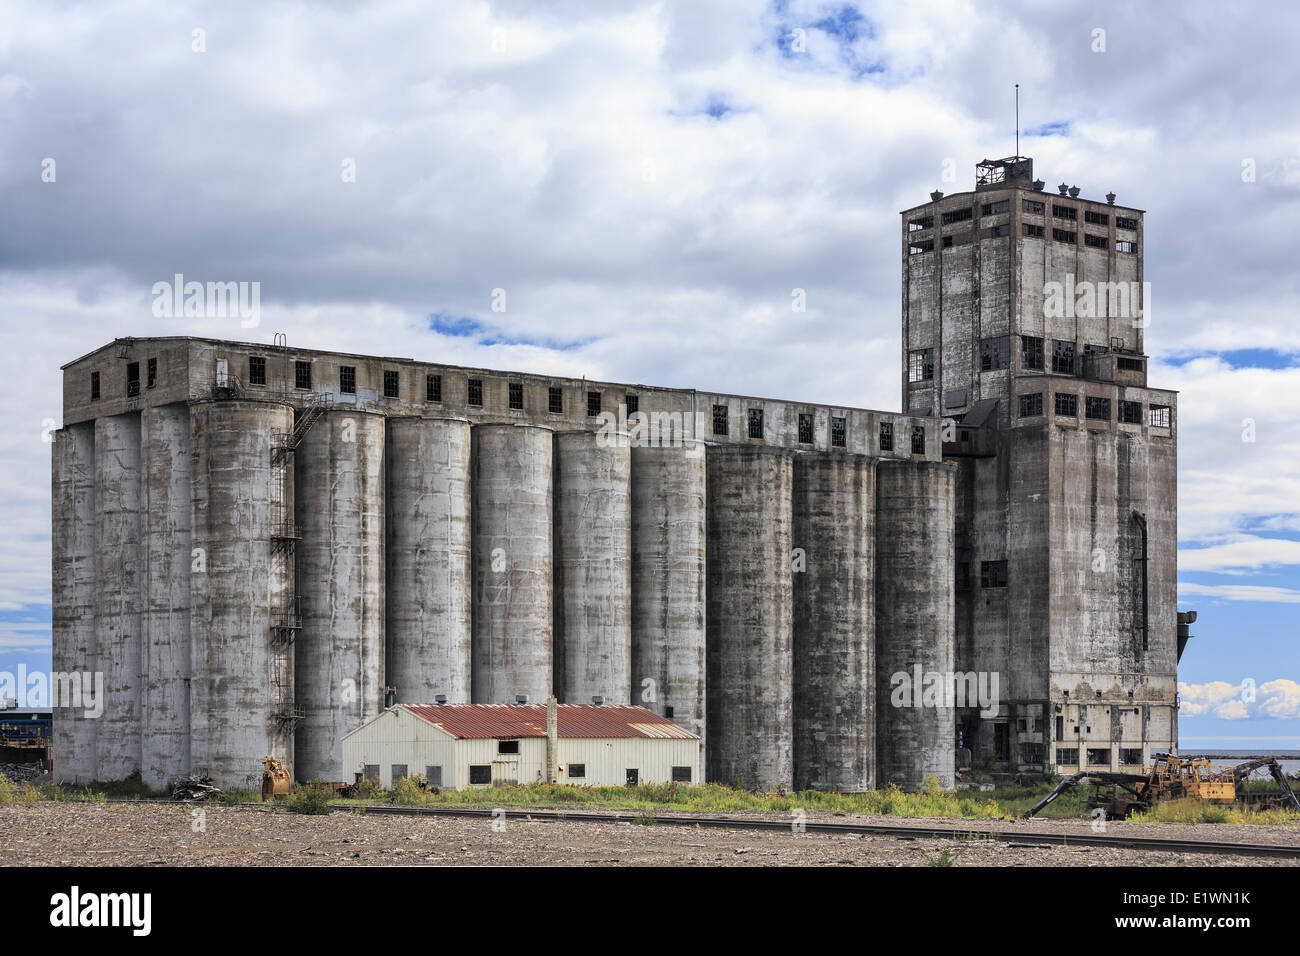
[{"x": 1021, "y": 837}]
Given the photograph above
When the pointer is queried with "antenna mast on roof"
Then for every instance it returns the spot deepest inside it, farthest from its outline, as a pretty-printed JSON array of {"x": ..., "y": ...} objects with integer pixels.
[{"x": 1017, "y": 121}]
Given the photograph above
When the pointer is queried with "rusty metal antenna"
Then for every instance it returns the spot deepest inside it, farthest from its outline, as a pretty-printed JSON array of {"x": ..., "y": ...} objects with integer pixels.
[{"x": 1017, "y": 121}]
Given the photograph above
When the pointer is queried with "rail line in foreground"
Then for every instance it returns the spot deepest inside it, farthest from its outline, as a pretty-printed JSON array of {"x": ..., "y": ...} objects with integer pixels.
[{"x": 1032, "y": 838}]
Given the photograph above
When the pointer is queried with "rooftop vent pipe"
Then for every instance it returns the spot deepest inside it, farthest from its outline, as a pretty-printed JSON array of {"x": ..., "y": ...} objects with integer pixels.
[{"x": 521, "y": 699}]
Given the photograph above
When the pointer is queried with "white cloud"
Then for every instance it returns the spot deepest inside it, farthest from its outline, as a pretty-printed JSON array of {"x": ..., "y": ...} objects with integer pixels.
[
  {"x": 1278, "y": 699},
  {"x": 1240, "y": 592}
]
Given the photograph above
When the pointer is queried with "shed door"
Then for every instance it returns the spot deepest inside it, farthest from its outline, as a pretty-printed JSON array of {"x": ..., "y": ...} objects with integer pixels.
[{"x": 633, "y": 776}]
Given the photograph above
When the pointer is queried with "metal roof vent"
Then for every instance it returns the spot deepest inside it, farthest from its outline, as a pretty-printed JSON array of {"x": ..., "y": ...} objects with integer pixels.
[
  {"x": 1110, "y": 198},
  {"x": 1062, "y": 188},
  {"x": 440, "y": 699},
  {"x": 936, "y": 195},
  {"x": 521, "y": 699},
  {"x": 1038, "y": 185},
  {"x": 1074, "y": 192},
  {"x": 598, "y": 700}
]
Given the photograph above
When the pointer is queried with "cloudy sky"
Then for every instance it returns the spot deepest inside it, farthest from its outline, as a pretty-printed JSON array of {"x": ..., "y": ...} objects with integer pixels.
[{"x": 648, "y": 182}]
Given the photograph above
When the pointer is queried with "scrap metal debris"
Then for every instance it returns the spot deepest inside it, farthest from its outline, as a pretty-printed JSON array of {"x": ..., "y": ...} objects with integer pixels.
[{"x": 195, "y": 788}]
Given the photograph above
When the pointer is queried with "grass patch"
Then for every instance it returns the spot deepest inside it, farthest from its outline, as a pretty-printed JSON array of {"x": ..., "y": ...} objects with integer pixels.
[
  {"x": 312, "y": 799},
  {"x": 1196, "y": 812}
]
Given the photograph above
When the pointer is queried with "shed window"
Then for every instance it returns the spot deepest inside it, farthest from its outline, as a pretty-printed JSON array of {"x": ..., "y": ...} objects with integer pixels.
[
  {"x": 839, "y": 433},
  {"x": 256, "y": 370},
  {"x": 577, "y": 771},
  {"x": 593, "y": 404},
  {"x": 302, "y": 374},
  {"x": 390, "y": 383},
  {"x": 719, "y": 419},
  {"x": 480, "y": 773},
  {"x": 805, "y": 429},
  {"x": 399, "y": 772},
  {"x": 371, "y": 772},
  {"x": 517, "y": 395},
  {"x": 918, "y": 439},
  {"x": 886, "y": 436},
  {"x": 348, "y": 379},
  {"x": 555, "y": 401},
  {"x": 507, "y": 746},
  {"x": 755, "y": 423},
  {"x": 433, "y": 388},
  {"x": 474, "y": 392},
  {"x": 433, "y": 775},
  {"x": 681, "y": 774}
]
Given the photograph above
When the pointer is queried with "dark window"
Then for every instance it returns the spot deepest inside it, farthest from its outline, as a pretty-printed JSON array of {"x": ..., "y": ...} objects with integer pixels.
[
  {"x": 925, "y": 222},
  {"x": 918, "y": 439},
  {"x": 1098, "y": 756},
  {"x": 133, "y": 379},
  {"x": 1060, "y": 727},
  {"x": 1032, "y": 205},
  {"x": 1096, "y": 218},
  {"x": 681, "y": 774},
  {"x": 1096, "y": 242},
  {"x": 433, "y": 776},
  {"x": 1097, "y": 408},
  {"x": 998, "y": 231},
  {"x": 957, "y": 215},
  {"x": 1067, "y": 757},
  {"x": 1063, "y": 235},
  {"x": 993, "y": 574},
  {"x": 480, "y": 773},
  {"x": 1067, "y": 405},
  {"x": 517, "y": 395},
  {"x": 256, "y": 370},
  {"x": 371, "y": 772},
  {"x": 433, "y": 388},
  {"x": 719, "y": 419},
  {"x": 1123, "y": 222},
  {"x": 920, "y": 365},
  {"x": 1131, "y": 757},
  {"x": 390, "y": 383},
  {"x": 1031, "y": 352},
  {"x": 1031, "y": 405},
  {"x": 1124, "y": 245},
  {"x": 555, "y": 401},
  {"x": 1130, "y": 413},
  {"x": 1129, "y": 364},
  {"x": 755, "y": 423},
  {"x": 577, "y": 771},
  {"x": 94, "y": 386},
  {"x": 1062, "y": 357},
  {"x": 507, "y": 746},
  {"x": 947, "y": 242},
  {"x": 1001, "y": 742},
  {"x": 839, "y": 433},
  {"x": 918, "y": 248},
  {"x": 994, "y": 353},
  {"x": 995, "y": 208},
  {"x": 593, "y": 404},
  {"x": 302, "y": 374},
  {"x": 1030, "y": 229},
  {"x": 633, "y": 404},
  {"x": 886, "y": 436},
  {"x": 399, "y": 772},
  {"x": 152, "y": 373},
  {"x": 1158, "y": 416},
  {"x": 961, "y": 576},
  {"x": 348, "y": 379},
  {"x": 668, "y": 711},
  {"x": 1064, "y": 212},
  {"x": 1031, "y": 753},
  {"x": 805, "y": 429},
  {"x": 474, "y": 393}
]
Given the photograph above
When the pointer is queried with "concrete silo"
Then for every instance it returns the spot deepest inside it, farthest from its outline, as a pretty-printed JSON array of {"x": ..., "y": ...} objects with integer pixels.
[
  {"x": 74, "y": 599},
  {"x": 669, "y": 487},
  {"x": 834, "y": 622},
  {"x": 749, "y": 620},
  {"x": 513, "y": 623},
  {"x": 339, "y": 655},
  {"x": 915, "y": 623},
  {"x": 593, "y": 567},
  {"x": 236, "y": 595},
  {"x": 429, "y": 601}
]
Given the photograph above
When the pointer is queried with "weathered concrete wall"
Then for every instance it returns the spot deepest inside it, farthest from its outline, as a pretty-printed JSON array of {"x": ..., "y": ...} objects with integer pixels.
[
  {"x": 593, "y": 568},
  {"x": 429, "y": 596},
  {"x": 117, "y": 576},
  {"x": 165, "y": 642},
  {"x": 75, "y": 596},
  {"x": 339, "y": 655},
  {"x": 669, "y": 487},
  {"x": 750, "y": 610},
  {"x": 513, "y": 560},
  {"x": 915, "y": 735},
  {"x": 834, "y": 622},
  {"x": 234, "y": 592}
]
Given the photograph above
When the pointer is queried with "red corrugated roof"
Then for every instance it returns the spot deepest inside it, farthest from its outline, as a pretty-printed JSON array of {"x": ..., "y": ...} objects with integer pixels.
[{"x": 575, "y": 720}]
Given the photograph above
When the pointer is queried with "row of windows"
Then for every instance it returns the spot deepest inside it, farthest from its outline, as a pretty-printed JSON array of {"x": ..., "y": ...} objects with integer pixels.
[
  {"x": 839, "y": 429},
  {"x": 995, "y": 355},
  {"x": 132, "y": 379},
  {"x": 1033, "y": 231},
  {"x": 1066, "y": 405}
]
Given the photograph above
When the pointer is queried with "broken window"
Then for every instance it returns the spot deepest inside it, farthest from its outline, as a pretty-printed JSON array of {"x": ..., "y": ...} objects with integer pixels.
[
  {"x": 1096, "y": 218},
  {"x": 555, "y": 400},
  {"x": 995, "y": 208},
  {"x": 256, "y": 370},
  {"x": 1062, "y": 235},
  {"x": 681, "y": 774},
  {"x": 886, "y": 436},
  {"x": 1130, "y": 413},
  {"x": 302, "y": 374},
  {"x": 1031, "y": 405},
  {"x": 399, "y": 772},
  {"x": 918, "y": 439},
  {"x": 719, "y": 419},
  {"x": 957, "y": 215},
  {"x": 133, "y": 379},
  {"x": 995, "y": 353},
  {"x": 152, "y": 373},
  {"x": 1131, "y": 757},
  {"x": 755, "y": 423},
  {"x": 917, "y": 248},
  {"x": 1123, "y": 245},
  {"x": 1031, "y": 352},
  {"x": 668, "y": 711},
  {"x": 433, "y": 775},
  {"x": 805, "y": 429},
  {"x": 390, "y": 383},
  {"x": 1124, "y": 222},
  {"x": 1064, "y": 212},
  {"x": 993, "y": 574},
  {"x": 1032, "y": 230},
  {"x": 577, "y": 771},
  {"x": 1097, "y": 408},
  {"x": 1096, "y": 242},
  {"x": 1067, "y": 405},
  {"x": 947, "y": 242},
  {"x": 371, "y": 772},
  {"x": 996, "y": 232},
  {"x": 839, "y": 433},
  {"x": 94, "y": 386},
  {"x": 924, "y": 222},
  {"x": 1098, "y": 756},
  {"x": 593, "y": 404},
  {"x": 1032, "y": 205},
  {"x": 1062, "y": 357},
  {"x": 1129, "y": 364},
  {"x": 433, "y": 388},
  {"x": 920, "y": 365},
  {"x": 1158, "y": 416},
  {"x": 474, "y": 393},
  {"x": 517, "y": 395},
  {"x": 1060, "y": 727},
  {"x": 507, "y": 746},
  {"x": 1031, "y": 752},
  {"x": 633, "y": 405},
  {"x": 1067, "y": 756},
  {"x": 348, "y": 379},
  {"x": 480, "y": 773}
]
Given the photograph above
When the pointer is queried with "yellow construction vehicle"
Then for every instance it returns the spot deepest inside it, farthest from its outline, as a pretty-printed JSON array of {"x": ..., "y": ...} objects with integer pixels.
[{"x": 275, "y": 779}]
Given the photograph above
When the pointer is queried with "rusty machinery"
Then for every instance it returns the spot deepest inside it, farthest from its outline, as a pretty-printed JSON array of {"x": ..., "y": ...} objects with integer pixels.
[
  {"x": 275, "y": 779},
  {"x": 1174, "y": 778}
]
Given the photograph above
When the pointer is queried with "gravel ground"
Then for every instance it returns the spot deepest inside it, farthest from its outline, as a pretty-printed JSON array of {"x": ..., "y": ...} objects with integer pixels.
[{"x": 80, "y": 834}]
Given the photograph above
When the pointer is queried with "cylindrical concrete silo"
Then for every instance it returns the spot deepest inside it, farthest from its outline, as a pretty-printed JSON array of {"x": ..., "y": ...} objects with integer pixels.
[
  {"x": 117, "y": 577},
  {"x": 429, "y": 599},
  {"x": 339, "y": 501},
  {"x": 668, "y": 582},
  {"x": 165, "y": 521},
  {"x": 834, "y": 622},
  {"x": 236, "y": 590},
  {"x": 915, "y": 620},
  {"x": 74, "y": 601},
  {"x": 749, "y": 621},
  {"x": 512, "y": 651},
  {"x": 593, "y": 567}
]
